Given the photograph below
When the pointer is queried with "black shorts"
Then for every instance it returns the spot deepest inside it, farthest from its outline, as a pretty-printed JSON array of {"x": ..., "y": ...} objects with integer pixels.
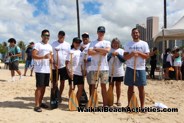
[
  {"x": 116, "y": 79},
  {"x": 62, "y": 74},
  {"x": 42, "y": 79},
  {"x": 14, "y": 65},
  {"x": 77, "y": 80}
]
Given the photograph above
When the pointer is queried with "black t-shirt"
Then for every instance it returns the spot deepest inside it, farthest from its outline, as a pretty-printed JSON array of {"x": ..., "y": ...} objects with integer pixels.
[
  {"x": 29, "y": 53},
  {"x": 154, "y": 58}
]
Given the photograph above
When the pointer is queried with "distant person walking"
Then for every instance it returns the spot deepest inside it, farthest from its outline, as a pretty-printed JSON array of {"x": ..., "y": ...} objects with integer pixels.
[
  {"x": 167, "y": 62},
  {"x": 177, "y": 63},
  {"x": 153, "y": 62},
  {"x": 29, "y": 62},
  {"x": 14, "y": 53},
  {"x": 42, "y": 55},
  {"x": 182, "y": 67}
]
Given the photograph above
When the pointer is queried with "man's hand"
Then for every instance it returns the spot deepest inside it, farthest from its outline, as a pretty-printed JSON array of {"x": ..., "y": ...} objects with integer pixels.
[
  {"x": 47, "y": 56},
  {"x": 103, "y": 54},
  {"x": 51, "y": 61},
  {"x": 70, "y": 74},
  {"x": 56, "y": 66},
  {"x": 135, "y": 53},
  {"x": 95, "y": 49}
]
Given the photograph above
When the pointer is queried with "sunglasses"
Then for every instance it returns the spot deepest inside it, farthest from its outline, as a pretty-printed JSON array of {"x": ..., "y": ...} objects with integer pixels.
[{"x": 45, "y": 35}]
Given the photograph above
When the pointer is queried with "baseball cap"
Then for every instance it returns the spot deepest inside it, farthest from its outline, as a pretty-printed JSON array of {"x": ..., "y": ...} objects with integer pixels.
[
  {"x": 101, "y": 29},
  {"x": 77, "y": 40},
  {"x": 85, "y": 35},
  {"x": 61, "y": 33}
]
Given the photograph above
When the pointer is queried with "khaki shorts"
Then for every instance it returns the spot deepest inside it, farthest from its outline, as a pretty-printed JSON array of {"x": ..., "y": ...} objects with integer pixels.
[{"x": 103, "y": 76}]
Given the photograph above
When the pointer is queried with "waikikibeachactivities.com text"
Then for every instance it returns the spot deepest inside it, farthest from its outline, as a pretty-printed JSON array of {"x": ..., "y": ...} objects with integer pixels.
[{"x": 126, "y": 109}]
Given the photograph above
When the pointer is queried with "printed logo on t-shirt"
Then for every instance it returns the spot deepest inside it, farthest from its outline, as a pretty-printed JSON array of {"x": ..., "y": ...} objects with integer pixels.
[{"x": 136, "y": 48}]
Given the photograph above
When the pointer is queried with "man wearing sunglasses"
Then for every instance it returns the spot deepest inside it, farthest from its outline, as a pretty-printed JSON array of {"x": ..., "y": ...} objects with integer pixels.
[
  {"x": 42, "y": 55},
  {"x": 63, "y": 48}
]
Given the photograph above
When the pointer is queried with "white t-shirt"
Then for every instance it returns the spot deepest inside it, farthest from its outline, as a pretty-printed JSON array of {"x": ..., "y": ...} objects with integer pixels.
[
  {"x": 64, "y": 49},
  {"x": 42, "y": 65},
  {"x": 141, "y": 46},
  {"x": 95, "y": 58},
  {"x": 85, "y": 45},
  {"x": 77, "y": 61},
  {"x": 169, "y": 59},
  {"x": 118, "y": 65}
]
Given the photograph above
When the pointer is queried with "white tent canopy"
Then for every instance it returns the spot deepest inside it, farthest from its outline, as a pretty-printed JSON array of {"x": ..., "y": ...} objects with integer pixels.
[{"x": 176, "y": 32}]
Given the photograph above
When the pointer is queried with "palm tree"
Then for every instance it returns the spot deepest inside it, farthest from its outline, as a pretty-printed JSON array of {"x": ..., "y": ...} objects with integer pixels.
[
  {"x": 3, "y": 48},
  {"x": 22, "y": 46},
  {"x": 5, "y": 44}
]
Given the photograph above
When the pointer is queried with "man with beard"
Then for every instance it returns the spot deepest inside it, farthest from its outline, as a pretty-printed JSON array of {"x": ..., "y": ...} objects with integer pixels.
[{"x": 136, "y": 50}]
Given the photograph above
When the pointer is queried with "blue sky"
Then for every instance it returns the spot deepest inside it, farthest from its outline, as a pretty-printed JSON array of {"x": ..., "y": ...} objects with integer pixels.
[
  {"x": 92, "y": 7},
  {"x": 42, "y": 7}
]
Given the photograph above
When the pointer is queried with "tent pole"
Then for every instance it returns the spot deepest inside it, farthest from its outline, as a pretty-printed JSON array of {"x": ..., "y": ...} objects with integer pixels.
[
  {"x": 163, "y": 51},
  {"x": 163, "y": 43}
]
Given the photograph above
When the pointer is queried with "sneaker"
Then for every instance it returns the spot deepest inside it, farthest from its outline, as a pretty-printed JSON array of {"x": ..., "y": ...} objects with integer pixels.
[
  {"x": 13, "y": 79},
  {"x": 37, "y": 109},
  {"x": 20, "y": 77}
]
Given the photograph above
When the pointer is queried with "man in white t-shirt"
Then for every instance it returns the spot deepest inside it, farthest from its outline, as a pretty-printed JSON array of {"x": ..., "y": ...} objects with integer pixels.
[
  {"x": 136, "y": 49},
  {"x": 42, "y": 55},
  {"x": 63, "y": 48},
  {"x": 99, "y": 48},
  {"x": 87, "y": 59},
  {"x": 85, "y": 41}
]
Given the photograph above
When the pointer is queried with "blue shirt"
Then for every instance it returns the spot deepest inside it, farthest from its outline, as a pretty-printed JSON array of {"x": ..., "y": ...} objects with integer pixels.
[{"x": 14, "y": 50}]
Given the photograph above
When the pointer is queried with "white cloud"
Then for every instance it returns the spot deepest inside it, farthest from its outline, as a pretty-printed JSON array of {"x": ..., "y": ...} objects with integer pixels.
[{"x": 118, "y": 16}]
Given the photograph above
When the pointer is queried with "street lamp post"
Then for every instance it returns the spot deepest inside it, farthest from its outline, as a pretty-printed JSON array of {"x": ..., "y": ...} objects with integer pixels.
[
  {"x": 164, "y": 43},
  {"x": 78, "y": 18},
  {"x": 165, "y": 13},
  {"x": 165, "y": 21}
]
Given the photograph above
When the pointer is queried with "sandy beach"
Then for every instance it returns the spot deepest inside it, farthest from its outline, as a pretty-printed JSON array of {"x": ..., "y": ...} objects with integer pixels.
[{"x": 17, "y": 102}]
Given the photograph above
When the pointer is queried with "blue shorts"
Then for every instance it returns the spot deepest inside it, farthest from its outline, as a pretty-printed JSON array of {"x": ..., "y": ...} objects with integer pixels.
[
  {"x": 140, "y": 77},
  {"x": 28, "y": 63}
]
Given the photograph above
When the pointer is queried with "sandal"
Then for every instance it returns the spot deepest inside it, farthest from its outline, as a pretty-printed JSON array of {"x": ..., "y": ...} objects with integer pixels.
[
  {"x": 37, "y": 109},
  {"x": 43, "y": 105}
]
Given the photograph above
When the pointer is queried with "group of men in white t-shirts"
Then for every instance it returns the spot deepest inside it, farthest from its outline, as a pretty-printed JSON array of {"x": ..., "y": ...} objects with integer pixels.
[{"x": 103, "y": 51}]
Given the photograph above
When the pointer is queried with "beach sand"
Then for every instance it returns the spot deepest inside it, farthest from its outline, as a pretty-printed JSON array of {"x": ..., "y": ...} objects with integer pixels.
[{"x": 17, "y": 103}]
